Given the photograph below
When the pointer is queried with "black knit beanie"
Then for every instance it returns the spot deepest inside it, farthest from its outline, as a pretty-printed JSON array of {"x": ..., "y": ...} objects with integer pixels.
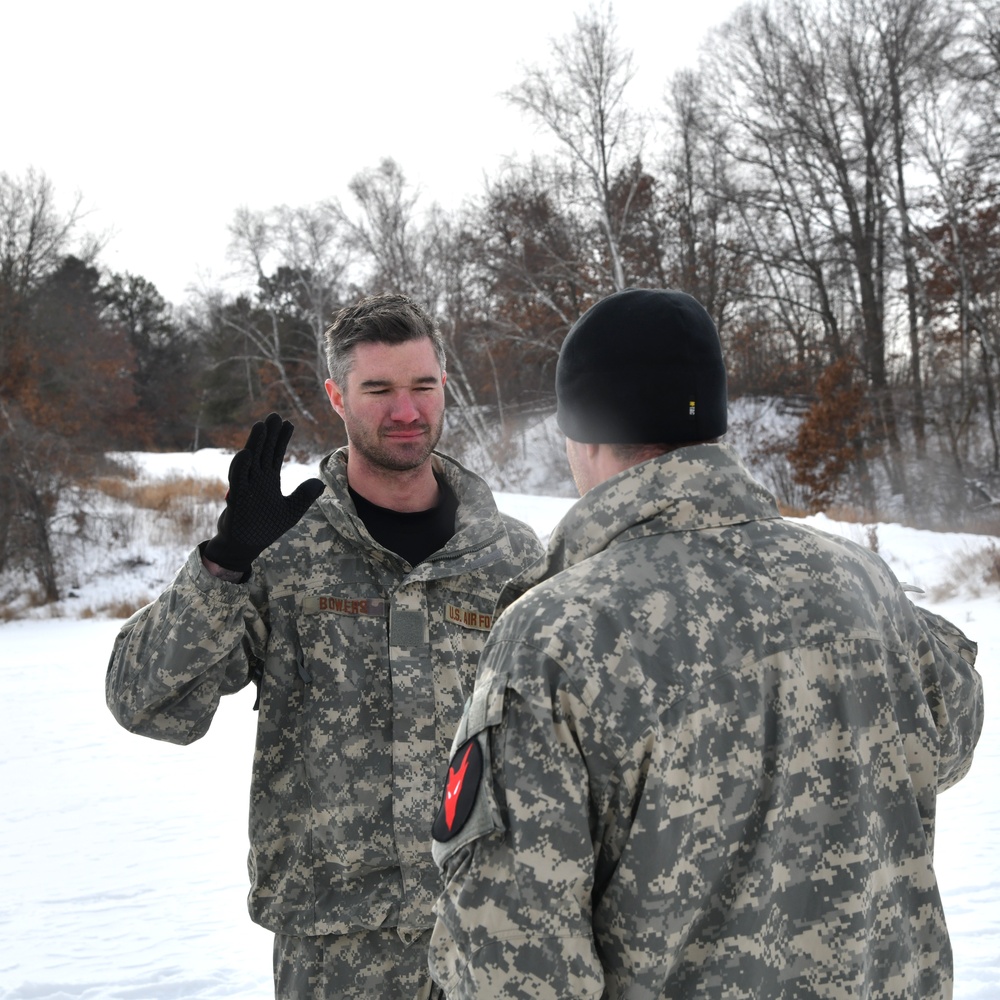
[{"x": 643, "y": 366}]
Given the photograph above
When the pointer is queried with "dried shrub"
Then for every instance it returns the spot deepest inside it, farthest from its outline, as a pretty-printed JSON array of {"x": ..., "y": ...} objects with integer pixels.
[
  {"x": 972, "y": 574},
  {"x": 830, "y": 441}
]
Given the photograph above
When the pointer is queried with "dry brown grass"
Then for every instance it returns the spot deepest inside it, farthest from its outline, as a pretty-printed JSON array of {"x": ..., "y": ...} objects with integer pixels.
[
  {"x": 179, "y": 502},
  {"x": 163, "y": 494},
  {"x": 849, "y": 515},
  {"x": 116, "y": 609},
  {"x": 32, "y": 598},
  {"x": 786, "y": 510}
]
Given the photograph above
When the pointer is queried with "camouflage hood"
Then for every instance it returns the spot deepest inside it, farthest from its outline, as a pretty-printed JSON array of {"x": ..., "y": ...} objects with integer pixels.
[{"x": 701, "y": 486}]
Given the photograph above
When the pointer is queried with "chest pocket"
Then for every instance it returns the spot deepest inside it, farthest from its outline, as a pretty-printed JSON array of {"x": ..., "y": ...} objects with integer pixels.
[
  {"x": 464, "y": 621},
  {"x": 460, "y": 624},
  {"x": 338, "y": 656}
]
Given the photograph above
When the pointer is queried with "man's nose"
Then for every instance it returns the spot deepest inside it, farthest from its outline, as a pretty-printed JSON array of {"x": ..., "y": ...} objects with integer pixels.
[{"x": 404, "y": 410}]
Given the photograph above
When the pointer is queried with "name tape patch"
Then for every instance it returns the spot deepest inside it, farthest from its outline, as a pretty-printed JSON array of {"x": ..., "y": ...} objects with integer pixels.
[
  {"x": 469, "y": 617},
  {"x": 370, "y": 606}
]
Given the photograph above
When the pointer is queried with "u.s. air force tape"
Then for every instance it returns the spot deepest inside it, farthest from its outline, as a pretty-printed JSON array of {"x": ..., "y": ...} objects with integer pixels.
[{"x": 460, "y": 788}]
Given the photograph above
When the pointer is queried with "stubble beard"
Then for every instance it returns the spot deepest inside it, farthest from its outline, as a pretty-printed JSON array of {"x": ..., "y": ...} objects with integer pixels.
[{"x": 400, "y": 456}]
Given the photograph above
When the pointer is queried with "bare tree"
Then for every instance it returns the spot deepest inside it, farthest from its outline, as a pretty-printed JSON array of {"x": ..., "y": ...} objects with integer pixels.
[
  {"x": 806, "y": 96},
  {"x": 700, "y": 203},
  {"x": 580, "y": 100},
  {"x": 34, "y": 238},
  {"x": 34, "y": 234},
  {"x": 37, "y": 464},
  {"x": 912, "y": 37},
  {"x": 386, "y": 237},
  {"x": 957, "y": 144},
  {"x": 977, "y": 64},
  {"x": 298, "y": 259},
  {"x": 28, "y": 501},
  {"x": 534, "y": 253}
]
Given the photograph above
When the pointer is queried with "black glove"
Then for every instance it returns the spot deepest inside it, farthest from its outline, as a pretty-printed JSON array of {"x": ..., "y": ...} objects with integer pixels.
[{"x": 256, "y": 513}]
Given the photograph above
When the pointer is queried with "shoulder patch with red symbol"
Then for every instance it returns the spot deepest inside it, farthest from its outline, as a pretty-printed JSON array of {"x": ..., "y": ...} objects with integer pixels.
[{"x": 460, "y": 788}]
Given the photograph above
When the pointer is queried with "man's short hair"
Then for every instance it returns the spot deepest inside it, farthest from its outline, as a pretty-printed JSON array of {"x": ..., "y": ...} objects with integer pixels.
[{"x": 377, "y": 319}]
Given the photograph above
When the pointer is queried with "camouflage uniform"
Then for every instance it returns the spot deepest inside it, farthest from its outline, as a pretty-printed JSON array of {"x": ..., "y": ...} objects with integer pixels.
[
  {"x": 711, "y": 742},
  {"x": 364, "y": 666}
]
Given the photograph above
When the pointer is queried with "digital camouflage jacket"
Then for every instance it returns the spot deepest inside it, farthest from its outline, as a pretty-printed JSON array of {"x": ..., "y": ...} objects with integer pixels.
[
  {"x": 702, "y": 759},
  {"x": 364, "y": 664}
]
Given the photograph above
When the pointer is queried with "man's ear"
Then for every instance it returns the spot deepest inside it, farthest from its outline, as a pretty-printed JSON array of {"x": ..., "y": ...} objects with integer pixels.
[
  {"x": 336, "y": 396},
  {"x": 590, "y": 452}
]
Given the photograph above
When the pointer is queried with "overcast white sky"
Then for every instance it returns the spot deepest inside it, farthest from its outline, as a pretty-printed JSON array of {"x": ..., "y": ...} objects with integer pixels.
[{"x": 168, "y": 117}]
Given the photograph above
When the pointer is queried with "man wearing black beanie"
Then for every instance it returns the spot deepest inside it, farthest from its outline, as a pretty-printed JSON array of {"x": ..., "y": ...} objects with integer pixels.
[
  {"x": 642, "y": 367},
  {"x": 704, "y": 748}
]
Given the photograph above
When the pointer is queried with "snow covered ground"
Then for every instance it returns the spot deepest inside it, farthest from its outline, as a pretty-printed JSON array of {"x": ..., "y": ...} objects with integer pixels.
[{"x": 122, "y": 860}]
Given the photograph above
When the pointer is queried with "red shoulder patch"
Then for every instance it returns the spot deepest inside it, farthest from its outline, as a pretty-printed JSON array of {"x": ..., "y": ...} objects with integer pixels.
[{"x": 460, "y": 789}]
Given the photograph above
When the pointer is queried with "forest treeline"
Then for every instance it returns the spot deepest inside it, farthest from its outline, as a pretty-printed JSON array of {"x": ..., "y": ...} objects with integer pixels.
[{"x": 826, "y": 182}]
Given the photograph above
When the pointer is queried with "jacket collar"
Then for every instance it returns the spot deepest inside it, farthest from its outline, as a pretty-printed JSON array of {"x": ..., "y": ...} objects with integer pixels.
[
  {"x": 478, "y": 524},
  {"x": 701, "y": 486}
]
